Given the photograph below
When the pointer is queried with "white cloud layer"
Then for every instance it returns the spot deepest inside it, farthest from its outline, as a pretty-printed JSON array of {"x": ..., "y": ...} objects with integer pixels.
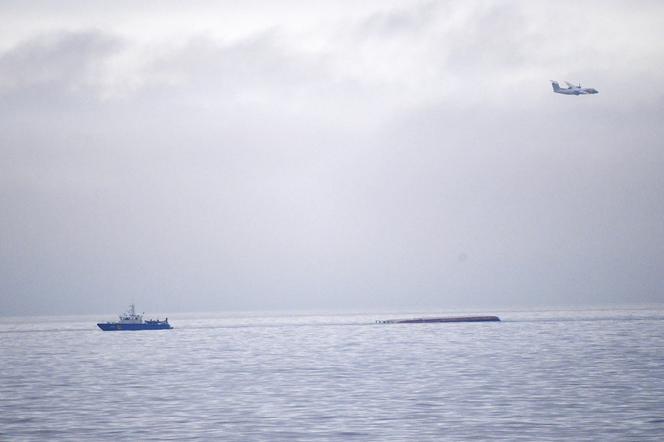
[{"x": 329, "y": 155}]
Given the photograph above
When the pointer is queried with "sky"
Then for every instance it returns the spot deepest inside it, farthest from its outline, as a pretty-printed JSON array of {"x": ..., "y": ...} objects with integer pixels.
[{"x": 367, "y": 156}]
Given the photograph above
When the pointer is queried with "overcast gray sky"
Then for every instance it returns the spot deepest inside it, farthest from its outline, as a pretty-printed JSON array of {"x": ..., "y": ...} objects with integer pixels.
[{"x": 318, "y": 155}]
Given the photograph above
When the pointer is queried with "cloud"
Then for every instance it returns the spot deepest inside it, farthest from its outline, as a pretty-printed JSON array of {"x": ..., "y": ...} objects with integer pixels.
[
  {"x": 348, "y": 164},
  {"x": 255, "y": 72},
  {"x": 71, "y": 62}
]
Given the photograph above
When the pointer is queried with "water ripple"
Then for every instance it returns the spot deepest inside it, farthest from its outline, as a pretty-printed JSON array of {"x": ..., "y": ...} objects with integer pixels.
[{"x": 535, "y": 376}]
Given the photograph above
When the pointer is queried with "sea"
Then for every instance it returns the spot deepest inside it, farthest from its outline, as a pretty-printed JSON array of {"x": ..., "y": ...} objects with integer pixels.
[{"x": 575, "y": 374}]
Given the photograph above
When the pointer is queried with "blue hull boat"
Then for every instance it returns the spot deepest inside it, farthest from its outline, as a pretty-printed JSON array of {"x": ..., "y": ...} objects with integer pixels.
[
  {"x": 131, "y": 321},
  {"x": 114, "y": 326}
]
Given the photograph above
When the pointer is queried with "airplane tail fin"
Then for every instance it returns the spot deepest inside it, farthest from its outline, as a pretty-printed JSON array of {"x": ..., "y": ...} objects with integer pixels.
[{"x": 555, "y": 85}]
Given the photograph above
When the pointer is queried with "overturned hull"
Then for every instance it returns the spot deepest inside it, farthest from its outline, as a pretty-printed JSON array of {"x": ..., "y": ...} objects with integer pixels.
[{"x": 444, "y": 319}]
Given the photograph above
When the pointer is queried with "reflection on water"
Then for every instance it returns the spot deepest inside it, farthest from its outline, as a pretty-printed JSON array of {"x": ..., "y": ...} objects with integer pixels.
[{"x": 591, "y": 375}]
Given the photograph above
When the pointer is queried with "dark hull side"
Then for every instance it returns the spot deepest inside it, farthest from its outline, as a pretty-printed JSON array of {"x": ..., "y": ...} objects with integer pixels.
[
  {"x": 448, "y": 319},
  {"x": 114, "y": 326}
]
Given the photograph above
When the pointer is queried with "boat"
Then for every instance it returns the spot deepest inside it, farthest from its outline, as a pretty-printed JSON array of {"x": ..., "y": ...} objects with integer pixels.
[
  {"x": 130, "y": 320},
  {"x": 445, "y": 319}
]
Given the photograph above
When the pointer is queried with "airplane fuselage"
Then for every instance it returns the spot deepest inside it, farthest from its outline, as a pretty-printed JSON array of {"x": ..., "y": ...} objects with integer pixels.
[{"x": 575, "y": 91}]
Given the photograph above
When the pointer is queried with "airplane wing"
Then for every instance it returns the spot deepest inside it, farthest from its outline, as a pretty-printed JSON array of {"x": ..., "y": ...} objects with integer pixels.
[{"x": 570, "y": 84}]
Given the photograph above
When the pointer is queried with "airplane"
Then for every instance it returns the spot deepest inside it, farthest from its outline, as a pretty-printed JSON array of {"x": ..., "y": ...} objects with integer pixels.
[{"x": 572, "y": 89}]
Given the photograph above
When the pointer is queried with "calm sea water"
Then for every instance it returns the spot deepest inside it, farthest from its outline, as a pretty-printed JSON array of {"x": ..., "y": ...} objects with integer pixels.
[{"x": 552, "y": 375}]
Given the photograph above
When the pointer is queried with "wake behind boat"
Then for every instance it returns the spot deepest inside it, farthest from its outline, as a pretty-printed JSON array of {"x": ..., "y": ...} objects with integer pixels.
[{"x": 129, "y": 320}]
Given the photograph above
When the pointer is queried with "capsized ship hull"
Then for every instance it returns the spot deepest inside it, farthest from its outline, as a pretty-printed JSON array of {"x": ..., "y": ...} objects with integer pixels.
[{"x": 445, "y": 319}]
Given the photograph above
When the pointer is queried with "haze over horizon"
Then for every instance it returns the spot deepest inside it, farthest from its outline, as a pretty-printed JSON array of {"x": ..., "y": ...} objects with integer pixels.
[{"x": 329, "y": 155}]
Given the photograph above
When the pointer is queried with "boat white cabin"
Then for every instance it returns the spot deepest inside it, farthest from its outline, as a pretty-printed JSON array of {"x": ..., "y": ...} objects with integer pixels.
[{"x": 130, "y": 316}]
